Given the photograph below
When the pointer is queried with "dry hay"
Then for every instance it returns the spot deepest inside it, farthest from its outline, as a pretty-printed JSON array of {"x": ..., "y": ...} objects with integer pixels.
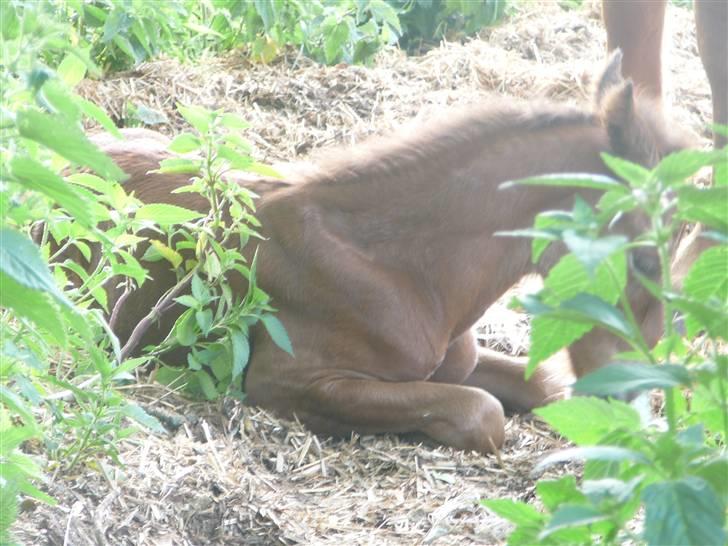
[{"x": 226, "y": 474}]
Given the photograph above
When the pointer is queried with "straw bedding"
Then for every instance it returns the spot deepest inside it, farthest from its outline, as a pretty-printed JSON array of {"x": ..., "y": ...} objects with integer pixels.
[{"x": 228, "y": 474}]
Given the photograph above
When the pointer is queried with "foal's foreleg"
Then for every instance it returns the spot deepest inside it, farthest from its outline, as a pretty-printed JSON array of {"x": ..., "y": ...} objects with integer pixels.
[
  {"x": 503, "y": 376},
  {"x": 454, "y": 415}
]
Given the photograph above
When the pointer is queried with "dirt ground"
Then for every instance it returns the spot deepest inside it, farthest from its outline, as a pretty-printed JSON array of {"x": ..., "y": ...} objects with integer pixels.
[{"x": 227, "y": 474}]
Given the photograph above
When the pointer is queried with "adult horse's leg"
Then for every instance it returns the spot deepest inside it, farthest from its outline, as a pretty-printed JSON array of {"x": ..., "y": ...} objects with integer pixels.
[
  {"x": 635, "y": 26},
  {"x": 711, "y": 20}
]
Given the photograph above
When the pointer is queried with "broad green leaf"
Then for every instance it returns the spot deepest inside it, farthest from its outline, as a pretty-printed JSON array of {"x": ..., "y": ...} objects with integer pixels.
[
  {"x": 592, "y": 453},
  {"x": 21, "y": 260},
  {"x": 710, "y": 315},
  {"x": 678, "y": 166},
  {"x": 708, "y": 276},
  {"x": 67, "y": 139},
  {"x": 33, "y": 305},
  {"x": 547, "y": 222},
  {"x": 334, "y": 42},
  {"x": 592, "y": 252},
  {"x": 590, "y": 308},
  {"x": 585, "y": 421},
  {"x": 56, "y": 97},
  {"x": 684, "y": 512},
  {"x": 184, "y": 143},
  {"x": 554, "y": 493},
  {"x": 514, "y": 511},
  {"x": 166, "y": 215},
  {"x": 37, "y": 177},
  {"x": 593, "y": 181},
  {"x": 620, "y": 378},
  {"x": 196, "y": 116},
  {"x": 233, "y": 121},
  {"x": 708, "y": 206},
  {"x": 277, "y": 332},
  {"x": 572, "y": 515},
  {"x": 241, "y": 351},
  {"x": 184, "y": 329},
  {"x": 11, "y": 438},
  {"x": 171, "y": 255},
  {"x": 636, "y": 175},
  {"x": 180, "y": 165},
  {"x": 608, "y": 489},
  {"x": 204, "y": 320},
  {"x": 715, "y": 472},
  {"x": 207, "y": 385},
  {"x": 138, "y": 414},
  {"x": 97, "y": 114}
]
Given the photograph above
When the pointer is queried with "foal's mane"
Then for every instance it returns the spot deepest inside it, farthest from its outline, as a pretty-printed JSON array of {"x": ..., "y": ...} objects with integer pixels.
[{"x": 443, "y": 143}]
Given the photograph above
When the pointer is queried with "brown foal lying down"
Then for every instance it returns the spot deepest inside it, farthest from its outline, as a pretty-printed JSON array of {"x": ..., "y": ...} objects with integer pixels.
[{"x": 382, "y": 260}]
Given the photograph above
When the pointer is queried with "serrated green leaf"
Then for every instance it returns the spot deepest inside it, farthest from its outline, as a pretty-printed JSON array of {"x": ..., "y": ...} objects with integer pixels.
[
  {"x": 180, "y": 165},
  {"x": 684, "y": 512},
  {"x": 138, "y": 414},
  {"x": 568, "y": 417},
  {"x": 196, "y": 116},
  {"x": 635, "y": 174},
  {"x": 67, "y": 139},
  {"x": 620, "y": 378},
  {"x": 184, "y": 329},
  {"x": 207, "y": 385},
  {"x": 593, "y": 181},
  {"x": 592, "y": 252},
  {"x": 572, "y": 515},
  {"x": 37, "y": 177},
  {"x": 185, "y": 143},
  {"x": 514, "y": 511},
  {"x": 678, "y": 166},
  {"x": 169, "y": 254},
  {"x": 241, "y": 352},
  {"x": 708, "y": 206},
  {"x": 554, "y": 493},
  {"x": 166, "y": 215},
  {"x": 277, "y": 332}
]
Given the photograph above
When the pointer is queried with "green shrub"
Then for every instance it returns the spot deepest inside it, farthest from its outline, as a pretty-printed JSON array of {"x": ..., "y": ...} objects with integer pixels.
[
  {"x": 678, "y": 472},
  {"x": 60, "y": 363}
]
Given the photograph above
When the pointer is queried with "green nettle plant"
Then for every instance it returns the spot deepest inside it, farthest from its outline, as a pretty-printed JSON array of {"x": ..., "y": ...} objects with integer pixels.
[
  {"x": 216, "y": 323},
  {"x": 63, "y": 204},
  {"x": 654, "y": 481}
]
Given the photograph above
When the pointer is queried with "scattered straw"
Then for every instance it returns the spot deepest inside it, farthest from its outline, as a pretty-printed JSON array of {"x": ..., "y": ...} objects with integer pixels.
[{"x": 230, "y": 475}]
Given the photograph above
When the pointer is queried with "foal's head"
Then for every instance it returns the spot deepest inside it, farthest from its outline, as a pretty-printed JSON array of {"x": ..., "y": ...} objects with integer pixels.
[{"x": 638, "y": 132}]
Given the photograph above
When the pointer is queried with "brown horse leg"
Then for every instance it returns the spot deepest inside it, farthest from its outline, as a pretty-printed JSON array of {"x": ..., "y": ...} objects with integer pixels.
[
  {"x": 711, "y": 20},
  {"x": 636, "y": 27},
  {"x": 461, "y": 417},
  {"x": 503, "y": 376}
]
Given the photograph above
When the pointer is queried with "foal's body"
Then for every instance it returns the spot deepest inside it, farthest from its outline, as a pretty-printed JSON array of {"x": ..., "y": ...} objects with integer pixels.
[{"x": 381, "y": 263}]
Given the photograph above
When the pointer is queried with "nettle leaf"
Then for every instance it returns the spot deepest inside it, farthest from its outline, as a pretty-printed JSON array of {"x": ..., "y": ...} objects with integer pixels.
[
  {"x": 138, "y": 414},
  {"x": 592, "y": 453},
  {"x": 593, "y": 181},
  {"x": 184, "y": 328},
  {"x": 37, "y": 177},
  {"x": 592, "y": 252},
  {"x": 715, "y": 472},
  {"x": 704, "y": 205},
  {"x": 612, "y": 489},
  {"x": 241, "y": 351},
  {"x": 196, "y": 116},
  {"x": 683, "y": 512},
  {"x": 71, "y": 70},
  {"x": 551, "y": 222},
  {"x": 277, "y": 332},
  {"x": 515, "y": 511},
  {"x": 233, "y": 121},
  {"x": 573, "y": 515},
  {"x": 635, "y": 174},
  {"x": 171, "y": 255},
  {"x": 184, "y": 143},
  {"x": 67, "y": 139},
  {"x": 711, "y": 315},
  {"x": 554, "y": 493},
  {"x": 206, "y": 384},
  {"x": 678, "y": 166},
  {"x": 622, "y": 377},
  {"x": 708, "y": 278},
  {"x": 568, "y": 418},
  {"x": 565, "y": 280},
  {"x": 21, "y": 260},
  {"x": 180, "y": 165},
  {"x": 167, "y": 215},
  {"x": 33, "y": 305}
]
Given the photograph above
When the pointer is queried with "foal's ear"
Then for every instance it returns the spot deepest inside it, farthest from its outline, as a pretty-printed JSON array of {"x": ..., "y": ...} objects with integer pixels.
[
  {"x": 610, "y": 77},
  {"x": 619, "y": 117}
]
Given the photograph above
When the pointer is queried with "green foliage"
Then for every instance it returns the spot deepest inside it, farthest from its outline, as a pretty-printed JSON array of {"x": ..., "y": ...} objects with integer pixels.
[
  {"x": 679, "y": 471},
  {"x": 430, "y": 21},
  {"x": 68, "y": 228}
]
